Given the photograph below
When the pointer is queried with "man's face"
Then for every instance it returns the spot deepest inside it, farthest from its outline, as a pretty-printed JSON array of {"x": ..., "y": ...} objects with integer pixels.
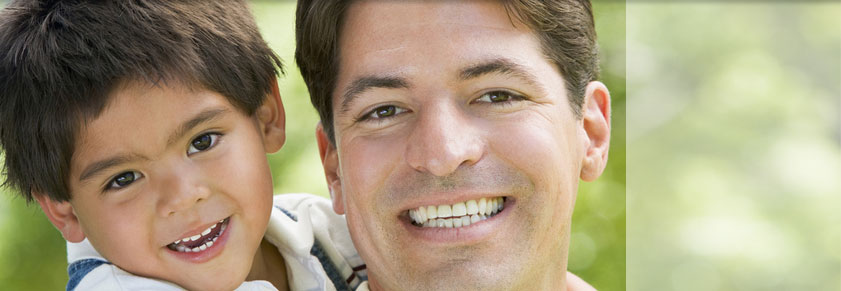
[
  {"x": 450, "y": 109},
  {"x": 162, "y": 164}
]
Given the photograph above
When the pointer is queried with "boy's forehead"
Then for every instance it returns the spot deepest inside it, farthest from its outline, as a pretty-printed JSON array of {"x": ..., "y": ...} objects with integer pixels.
[{"x": 141, "y": 118}]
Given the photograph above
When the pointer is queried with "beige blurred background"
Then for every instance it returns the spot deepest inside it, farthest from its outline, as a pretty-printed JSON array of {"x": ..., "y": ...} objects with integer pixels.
[{"x": 32, "y": 252}]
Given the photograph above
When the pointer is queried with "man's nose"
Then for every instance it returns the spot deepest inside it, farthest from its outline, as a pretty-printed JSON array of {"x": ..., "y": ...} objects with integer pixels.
[
  {"x": 180, "y": 190},
  {"x": 444, "y": 138}
]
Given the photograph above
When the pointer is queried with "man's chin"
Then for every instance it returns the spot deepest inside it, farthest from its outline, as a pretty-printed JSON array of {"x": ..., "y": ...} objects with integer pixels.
[{"x": 477, "y": 273}]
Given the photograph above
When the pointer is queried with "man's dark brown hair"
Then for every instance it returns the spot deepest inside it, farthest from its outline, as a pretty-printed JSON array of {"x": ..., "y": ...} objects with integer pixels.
[
  {"x": 564, "y": 28},
  {"x": 60, "y": 60}
]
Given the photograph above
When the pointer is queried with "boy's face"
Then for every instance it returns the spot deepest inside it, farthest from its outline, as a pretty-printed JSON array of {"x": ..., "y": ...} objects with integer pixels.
[{"x": 162, "y": 164}]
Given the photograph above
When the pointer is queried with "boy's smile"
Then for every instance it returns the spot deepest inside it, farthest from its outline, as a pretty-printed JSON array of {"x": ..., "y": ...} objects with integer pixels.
[
  {"x": 172, "y": 182},
  {"x": 202, "y": 241},
  {"x": 203, "y": 246}
]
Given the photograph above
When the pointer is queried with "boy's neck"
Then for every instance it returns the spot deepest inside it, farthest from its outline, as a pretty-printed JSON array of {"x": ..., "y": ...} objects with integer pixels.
[{"x": 269, "y": 265}]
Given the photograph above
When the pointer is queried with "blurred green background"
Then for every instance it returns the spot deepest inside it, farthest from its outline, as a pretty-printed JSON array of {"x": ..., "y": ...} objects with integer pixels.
[
  {"x": 32, "y": 252},
  {"x": 734, "y": 145}
]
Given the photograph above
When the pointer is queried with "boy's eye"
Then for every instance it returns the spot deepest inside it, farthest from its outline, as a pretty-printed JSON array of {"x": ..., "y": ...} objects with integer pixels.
[
  {"x": 498, "y": 97},
  {"x": 124, "y": 179},
  {"x": 203, "y": 142}
]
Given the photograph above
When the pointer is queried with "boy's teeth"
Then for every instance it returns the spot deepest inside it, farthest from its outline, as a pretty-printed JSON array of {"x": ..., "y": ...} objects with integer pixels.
[
  {"x": 177, "y": 246},
  {"x": 460, "y": 214},
  {"x": 198, "y": 236}
]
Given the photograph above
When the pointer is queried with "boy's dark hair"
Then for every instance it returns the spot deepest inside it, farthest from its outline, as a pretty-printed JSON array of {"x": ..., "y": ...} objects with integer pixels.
[
  {"x": 60, "y": 60},
  {"x": 565, "y": 29}
]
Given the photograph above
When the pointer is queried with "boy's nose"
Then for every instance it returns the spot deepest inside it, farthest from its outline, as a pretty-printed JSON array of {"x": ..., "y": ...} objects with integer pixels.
[{"x": 180, "y": 192}]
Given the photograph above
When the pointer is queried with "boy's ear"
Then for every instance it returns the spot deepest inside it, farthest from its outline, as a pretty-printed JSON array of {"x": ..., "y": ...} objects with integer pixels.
[
  {"x": 330, "y": 161},
  {"x": 62, "y": 216},
  {"x": 596, "y": 120},
  {"x": 272, "y": 120}
]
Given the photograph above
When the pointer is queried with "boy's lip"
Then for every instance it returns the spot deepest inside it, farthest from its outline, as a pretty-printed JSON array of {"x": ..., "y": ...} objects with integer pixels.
[
  {"x": 210, "y": 252},
  {"x": 197, "y": 230}
]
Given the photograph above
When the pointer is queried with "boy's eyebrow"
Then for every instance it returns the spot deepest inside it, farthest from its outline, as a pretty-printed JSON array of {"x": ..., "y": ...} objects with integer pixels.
[
  {"x": 202, "y": 117},
  {"x": 92, "y": 169}
]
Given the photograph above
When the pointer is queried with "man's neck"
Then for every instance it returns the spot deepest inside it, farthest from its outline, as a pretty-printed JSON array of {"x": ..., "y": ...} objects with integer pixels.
[{"x": 268, "y": 265}]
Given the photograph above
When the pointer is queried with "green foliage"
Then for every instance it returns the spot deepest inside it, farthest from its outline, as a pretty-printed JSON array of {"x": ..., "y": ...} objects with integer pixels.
[{"x": 32, "y": 254}]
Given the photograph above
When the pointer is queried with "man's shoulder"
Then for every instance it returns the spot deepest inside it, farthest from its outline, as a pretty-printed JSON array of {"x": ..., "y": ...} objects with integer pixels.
[
  {"x": 308, "y": 230},
  {"x": 305, "y": 216},
  {"x": 297, "y": 201}
]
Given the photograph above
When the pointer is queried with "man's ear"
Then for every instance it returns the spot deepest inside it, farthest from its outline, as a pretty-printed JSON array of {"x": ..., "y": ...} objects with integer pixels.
[
  {"x": 62, "y": 216},
  {"x": 596, "y": 119},
  {"x": 330, "y": 161},
  {"x": 272, "y": 120}
]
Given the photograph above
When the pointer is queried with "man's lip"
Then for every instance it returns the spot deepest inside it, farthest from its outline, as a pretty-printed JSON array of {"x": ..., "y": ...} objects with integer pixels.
[{"x": 472, "y": 234}]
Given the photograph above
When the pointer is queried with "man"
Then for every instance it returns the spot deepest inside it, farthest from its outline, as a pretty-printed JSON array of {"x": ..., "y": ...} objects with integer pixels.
[{"x": 454, "y": 134}]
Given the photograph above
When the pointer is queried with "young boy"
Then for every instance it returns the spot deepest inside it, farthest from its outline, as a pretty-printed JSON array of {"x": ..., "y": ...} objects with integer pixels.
[{"x": 140, "y": 128}]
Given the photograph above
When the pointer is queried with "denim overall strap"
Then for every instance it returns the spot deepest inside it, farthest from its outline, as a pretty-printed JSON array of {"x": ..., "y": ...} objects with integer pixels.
[{"x": 78, "y": 269}]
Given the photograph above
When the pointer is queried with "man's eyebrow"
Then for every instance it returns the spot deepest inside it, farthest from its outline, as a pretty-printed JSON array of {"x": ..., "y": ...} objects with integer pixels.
[
  {"x": 365, "y": 83},
  {"x": 101, "y": 165},
  {"x": 499, "y": 66}
]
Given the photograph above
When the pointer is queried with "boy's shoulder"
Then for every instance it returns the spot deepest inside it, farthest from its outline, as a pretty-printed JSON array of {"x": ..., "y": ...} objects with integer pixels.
[
  {"x": 98, "y": 274},
  {"x": 90, "y": 271}
]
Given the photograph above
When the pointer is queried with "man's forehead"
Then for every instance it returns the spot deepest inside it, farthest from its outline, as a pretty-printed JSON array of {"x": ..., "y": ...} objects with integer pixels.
[
  {"x": 388, "y": 26},
  {"x": 386, "y": 43},
  {"x": 405, "y": 14}
]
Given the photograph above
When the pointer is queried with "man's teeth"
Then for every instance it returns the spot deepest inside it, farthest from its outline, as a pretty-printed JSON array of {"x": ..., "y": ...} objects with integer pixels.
[
  {"x": 456, "y": 215},
  {"x": 179, "y": 246}
]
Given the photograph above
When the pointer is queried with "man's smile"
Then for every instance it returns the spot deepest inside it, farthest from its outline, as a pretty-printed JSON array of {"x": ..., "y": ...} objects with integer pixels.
[
  {"x": 460, "y": 214},
  {"x": 461, "y": 223}
]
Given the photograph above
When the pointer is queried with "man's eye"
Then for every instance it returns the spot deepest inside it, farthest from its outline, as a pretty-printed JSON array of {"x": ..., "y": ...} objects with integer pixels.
[
  {"x": 203, "y": 143},
  {"x": 498, "y": 97},
  {"x": 124, "y": 179},
  {"x": 383, "y": 112}
]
